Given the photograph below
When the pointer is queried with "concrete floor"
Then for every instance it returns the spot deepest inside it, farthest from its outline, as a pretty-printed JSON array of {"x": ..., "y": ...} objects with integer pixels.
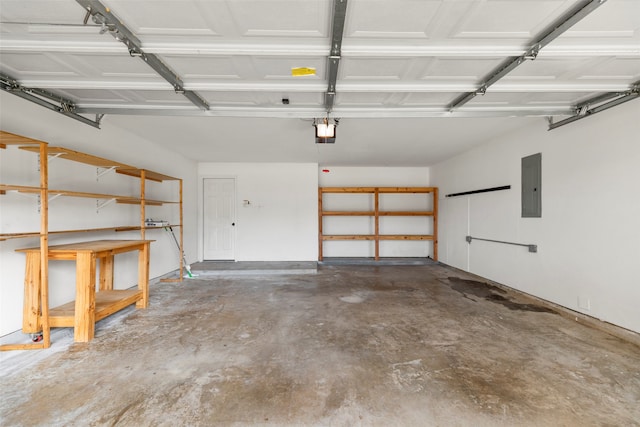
[{"x": 363, "y": 345}]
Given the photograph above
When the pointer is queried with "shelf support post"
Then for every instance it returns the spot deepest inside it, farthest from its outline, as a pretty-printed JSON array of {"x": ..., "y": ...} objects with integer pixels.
[
  {"x": 435, "y": 223},
  {"x": 320, "y": 220},
  {"x": 44, "y": 245},
  {"x": 376, "y": 194},
  {"x": 143, "y": 177},
  {"x": 182, "y": 258}
]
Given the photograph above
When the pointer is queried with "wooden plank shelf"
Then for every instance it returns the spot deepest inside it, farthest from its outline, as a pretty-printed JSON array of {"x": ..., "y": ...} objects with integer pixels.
[
  {"x": 406, "y": 213},
  {"x": 19, "y": 188},
  {"x": 349, "y": 237},
  {"x": 378, "y": 189},
  {"x": 119, "y": 199},
  {"x": 88, "y": 159},
  {"x": 153, "y": 176},
  {"x": 107, "y": 303},
  {"x": 7, "y": 236},
  {"x": 348, "y": 213},
  {"x": 68, "y": 193},
  {"x": 372, "y": 213},
  {"x": 157, "y": 227},
  {"x": 376, "y": 214},
  {"x": 379, "y": 237},
  {"x": 414, "y": 190},
  {"x": 405, "y": 237},
  {"x": 76, "y": 156},
  {"x": 133, "y": 201},
  {"x": 8, "y": 138},
  {"x": 348, "y": 189}
]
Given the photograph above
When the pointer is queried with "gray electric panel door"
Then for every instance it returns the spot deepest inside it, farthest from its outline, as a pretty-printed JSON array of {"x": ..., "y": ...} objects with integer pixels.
[{"x": 532, "y": 186}]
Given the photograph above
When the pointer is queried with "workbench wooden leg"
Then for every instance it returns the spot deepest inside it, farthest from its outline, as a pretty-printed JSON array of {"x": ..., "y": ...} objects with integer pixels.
[
  {"x": 85, "y": 315},
  {"x": 106, "y": 273},
  {"x": 143, "y": 275},
  {"x": 31, "y": 314}
]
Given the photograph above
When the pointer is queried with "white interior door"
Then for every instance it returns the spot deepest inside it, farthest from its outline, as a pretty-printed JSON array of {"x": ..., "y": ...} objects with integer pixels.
[{"x": 219, "y": 218}]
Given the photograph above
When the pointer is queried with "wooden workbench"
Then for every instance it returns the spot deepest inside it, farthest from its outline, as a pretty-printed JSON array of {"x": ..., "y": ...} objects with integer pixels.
[{"x": 90, "y": 306}]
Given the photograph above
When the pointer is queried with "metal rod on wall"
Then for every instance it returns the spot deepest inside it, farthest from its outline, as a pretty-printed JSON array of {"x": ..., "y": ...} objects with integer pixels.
[
  {"x": 484, "y": 190},
  {"x": 532, "y": 248}
]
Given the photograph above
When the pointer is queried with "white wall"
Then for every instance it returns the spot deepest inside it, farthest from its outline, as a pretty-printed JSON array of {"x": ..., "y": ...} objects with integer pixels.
[
  {"x": 341, "y": 176},
  {"x": 18, "y": 213},
  {"x": 588, "y": 258},
  {"x": 281, "y": 222}
]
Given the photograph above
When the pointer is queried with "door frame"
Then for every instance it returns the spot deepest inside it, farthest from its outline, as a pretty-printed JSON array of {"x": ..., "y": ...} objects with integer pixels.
[{"x": 201, "y": 179}]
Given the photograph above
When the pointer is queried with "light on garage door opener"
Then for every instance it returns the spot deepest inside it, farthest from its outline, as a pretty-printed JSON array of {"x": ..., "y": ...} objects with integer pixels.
[{"x": 325, "y": 131}]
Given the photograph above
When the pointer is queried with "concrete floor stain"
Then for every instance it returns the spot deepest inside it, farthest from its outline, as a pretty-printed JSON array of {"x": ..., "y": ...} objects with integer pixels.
[{"x": 493, "y": 294}]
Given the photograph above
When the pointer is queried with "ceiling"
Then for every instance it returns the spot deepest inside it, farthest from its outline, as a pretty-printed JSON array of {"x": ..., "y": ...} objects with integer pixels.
[{"x": 402, "y": 65}]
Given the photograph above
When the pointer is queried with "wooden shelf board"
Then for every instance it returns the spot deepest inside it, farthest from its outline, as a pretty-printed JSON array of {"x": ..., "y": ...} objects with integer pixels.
[
  {"x": 150, "y": 175},
  {"x": 132, "y": 201},
  {"x": 406, "y": 189},
  {"x": 153, "y": 227},
  {"x": 99, "y": 247},
  {"x": 120, "y": 228},
  {"x": 20, "y": 188},
  {"x": 348, "y": 189},
  {"x": 69, "y": 193},
  {"x": 349, "y": 237},
  {"x": 406, "y": 213},
  {"x": 95, "y": 230},
  {"x": 380, "y": 237},
  {"x": 7, "y": 236},
  {"x": 372, "y": 213},
  {"x": 107, "y": 303},
  {"x": 378, "y": 189},
  {"x": 8, "y": 138},
  {"x": 348, "y": 213},
  {"x": 79, "y": 157},
  {"x": 119, "y": 199},
  {"x": 405, "y": 237}
]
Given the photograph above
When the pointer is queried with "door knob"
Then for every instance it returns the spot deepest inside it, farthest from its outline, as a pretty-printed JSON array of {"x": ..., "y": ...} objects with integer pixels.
[{"x": 233, "y": 223}]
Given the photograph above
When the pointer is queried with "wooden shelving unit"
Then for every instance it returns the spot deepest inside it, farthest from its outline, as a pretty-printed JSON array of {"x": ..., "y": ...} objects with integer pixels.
[
  {"x": 376, "y": 214},
  {"x": 40, "y": 147},
  {"x": 31, "y": 145},
  {"x": 104, "y": 304}
]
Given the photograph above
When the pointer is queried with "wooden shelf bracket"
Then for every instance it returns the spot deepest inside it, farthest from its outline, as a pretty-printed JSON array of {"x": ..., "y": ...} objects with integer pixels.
[
  {"x": 100, "y": 205},
  {"x": 103, "y": 171},
  {"x": 53, "y": 197}
]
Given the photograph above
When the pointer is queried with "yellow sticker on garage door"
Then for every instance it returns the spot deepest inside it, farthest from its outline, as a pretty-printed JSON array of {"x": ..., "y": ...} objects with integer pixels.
[{"x": 303, "y": 71}]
